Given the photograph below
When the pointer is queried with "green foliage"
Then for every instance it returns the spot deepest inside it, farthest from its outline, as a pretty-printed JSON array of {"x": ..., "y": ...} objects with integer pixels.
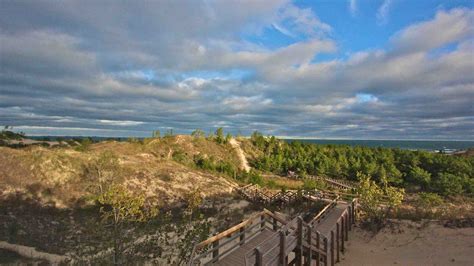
[
  {"x": 7, "y": 134},
  {"x": 376, "y": 202},
  {"x": 254, "y": 178},
  {"x": 134, "y": 140},
  {"x": 84, "y": 144},
  {"x": 194, "y": 227},
  {"x": 198, "y": 133},
  {"x": 179, "y": 156},
  {"x": 220, "y": 138},
  {"x": 220, "y": 135},
  {"x": 428, "y": 200},
  {"x": 228, "y": 137},
  {"x": 169, "y": 133},
  {"x": 312, "y": 183},
  {"x": 417, "y": 175},
  {"x": 119, "y": 206},
  {"x": 103, "y": 171},
  {"x": 427, "y": 205},
  {"x": 448, "y": 184},
  {"x": 430, "y": 172},
  {"x": 209, "y": 163},
  {"x": 258, "y": 139},
  {"x": 271, "y": 184},
  {"x": 156, "y": 134}
]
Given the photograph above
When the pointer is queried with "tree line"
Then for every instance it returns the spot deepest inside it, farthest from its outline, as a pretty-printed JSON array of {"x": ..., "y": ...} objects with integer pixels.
[{"x": 413, "y": 170}]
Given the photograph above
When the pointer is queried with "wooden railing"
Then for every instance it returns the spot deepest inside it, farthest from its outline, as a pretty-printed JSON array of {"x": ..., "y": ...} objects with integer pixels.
[
  {"x": 324, "y": 212},
  {"x": 290, "y": 236},
  {"x": 256, "y": 194},
  {"x": 221, "y": 244},
  {"x": 337, "y": 183},
  {"x": 305, "y": 240}
]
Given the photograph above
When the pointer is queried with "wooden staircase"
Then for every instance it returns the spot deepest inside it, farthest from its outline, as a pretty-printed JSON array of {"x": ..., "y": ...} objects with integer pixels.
[{"x": 268, "y": 239}]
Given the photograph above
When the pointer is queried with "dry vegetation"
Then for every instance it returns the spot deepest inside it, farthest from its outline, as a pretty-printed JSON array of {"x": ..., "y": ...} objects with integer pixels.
[{"x": 160, "y": 168}]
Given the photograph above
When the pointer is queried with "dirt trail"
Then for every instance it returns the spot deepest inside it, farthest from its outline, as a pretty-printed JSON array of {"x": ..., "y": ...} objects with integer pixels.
[{"x": 244, "y": 164}]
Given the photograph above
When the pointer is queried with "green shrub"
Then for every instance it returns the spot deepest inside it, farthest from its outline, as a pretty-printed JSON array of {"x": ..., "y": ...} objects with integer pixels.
[
  {"x": 448, "y": 184},
  {"x": 255, "y": 178}
]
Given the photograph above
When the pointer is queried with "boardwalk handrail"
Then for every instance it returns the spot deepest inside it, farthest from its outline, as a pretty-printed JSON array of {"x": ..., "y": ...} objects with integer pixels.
[
  {"x": 221, "y": 244},
  {"x": 256, "y": 194},
  {"x": 324, "y": 211},
  {"x": 275, "y": 249}
]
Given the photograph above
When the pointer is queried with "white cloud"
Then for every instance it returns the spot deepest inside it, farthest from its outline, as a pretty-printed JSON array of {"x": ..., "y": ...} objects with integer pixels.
[
  {"x": 353, "y": 7},
  {"x": 447, "y": 27},
  {"x": 383, "y": 12},
  {"x": 108, "y": 74}
]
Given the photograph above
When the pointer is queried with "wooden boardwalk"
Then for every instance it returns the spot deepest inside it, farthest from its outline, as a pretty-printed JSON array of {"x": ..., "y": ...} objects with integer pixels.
[
  {"x": 267, "y": 239},
  {"x": 237, "y": 257}
]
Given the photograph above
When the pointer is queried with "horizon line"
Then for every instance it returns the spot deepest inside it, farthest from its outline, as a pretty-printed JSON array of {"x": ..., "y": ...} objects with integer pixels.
[{"x": 278, "y": 137}]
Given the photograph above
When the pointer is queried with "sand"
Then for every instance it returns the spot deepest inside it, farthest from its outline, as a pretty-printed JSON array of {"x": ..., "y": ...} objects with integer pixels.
[
  {"x": 409, "y": 243},
  {"x": 244, "y": 165}
]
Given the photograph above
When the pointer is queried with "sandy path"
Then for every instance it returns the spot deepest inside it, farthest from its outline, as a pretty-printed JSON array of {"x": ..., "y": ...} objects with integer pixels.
[
  {"x": 411, "y": 244},
  {"x": 244, "y": 164}
]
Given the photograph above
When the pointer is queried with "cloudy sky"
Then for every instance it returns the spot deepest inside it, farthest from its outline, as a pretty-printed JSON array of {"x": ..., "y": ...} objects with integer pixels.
[{"x": 387, "y": 69}]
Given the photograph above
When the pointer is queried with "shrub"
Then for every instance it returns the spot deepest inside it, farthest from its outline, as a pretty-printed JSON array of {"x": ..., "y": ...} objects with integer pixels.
[
  {"x": 376, "y": 202},
  {"x": 255, "y": 178},
  {"x": 448, "y": 184},
  {"x": 179, "y": 156},
  {"x": 198, "y": 133},
  {"x": 272, "y": 184}
]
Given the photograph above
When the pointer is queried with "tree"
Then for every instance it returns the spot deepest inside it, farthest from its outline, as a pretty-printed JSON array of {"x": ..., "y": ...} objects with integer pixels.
[
  {"x": 103, "y": 171},
  {"x": 193, "y": 226},
  {"x": 376, "y": 202},
  {"x": 419, "y": 176},
  {"x": 198, "y": 133},
  {"x": 220, "y": 135},
  {"x": 448, "y": 184},
  {"x": 228, "y": 137},
  {"x": 156, "y": 134},
  {"x": 119, "y": 206},
  {"x": 169, "y": 133}
]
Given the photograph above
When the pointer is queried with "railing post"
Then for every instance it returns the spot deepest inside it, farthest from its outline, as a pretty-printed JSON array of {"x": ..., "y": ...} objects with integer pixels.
[
  {"x": 318, "y": 248},
  {"x": 349, "y": 213},
  {"x": 258, "y": 257},
  {"x": 242, "y": 235},
  {"x": 299, "y": 243},
  {"x": 215, "y": 253},
  {"x": 282, "y": 248},
  {"x": 354, "y": 209},
  {"x": 325, "y": 241},
  {"x": 342, "y": 233},
  {"x": 332, "y": 247},
  {"x": 337, "y": 240},
  {"x": 347, "y": 228},
  {"x": 309, "y": 235},
  {"x": 275, "y": 224},
  {"x": 262, "y": 222}
]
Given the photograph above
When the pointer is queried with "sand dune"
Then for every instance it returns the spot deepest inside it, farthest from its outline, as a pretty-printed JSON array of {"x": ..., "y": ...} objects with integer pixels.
[{"x": 409, "y": 243}]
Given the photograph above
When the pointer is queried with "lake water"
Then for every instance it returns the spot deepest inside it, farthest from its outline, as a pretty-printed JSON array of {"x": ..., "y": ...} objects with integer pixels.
[{"x": 402, "y": 144}]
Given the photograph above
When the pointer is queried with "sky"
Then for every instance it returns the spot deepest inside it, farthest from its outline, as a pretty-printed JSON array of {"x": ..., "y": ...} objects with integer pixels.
[{"x": 373, "y": 69}]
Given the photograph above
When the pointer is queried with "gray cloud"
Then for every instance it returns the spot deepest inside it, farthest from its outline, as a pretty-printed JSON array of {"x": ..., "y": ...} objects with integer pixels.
[{"x": 79, "y": 68}]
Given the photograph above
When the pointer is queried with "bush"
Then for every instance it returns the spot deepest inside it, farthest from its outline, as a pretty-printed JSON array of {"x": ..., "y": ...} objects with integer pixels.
[
  {"x": 84, "y": 144},
  {"x": 179, "y": 156},
  {"x": 448, "y": 184},
  {"x": 376, "y": 202}
]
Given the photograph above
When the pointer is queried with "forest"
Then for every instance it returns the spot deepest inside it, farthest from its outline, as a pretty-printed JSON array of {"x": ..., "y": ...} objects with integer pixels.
[{"x": 413, "y": 170}]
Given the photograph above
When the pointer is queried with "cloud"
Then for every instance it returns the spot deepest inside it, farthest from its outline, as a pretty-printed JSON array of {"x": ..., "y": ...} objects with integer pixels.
[
  {"x": 353, "y": 7},
  {"x": 383, "y": 12},
  {"x": 91, "y": 72},
  {"x": 455, "y": 25}
]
